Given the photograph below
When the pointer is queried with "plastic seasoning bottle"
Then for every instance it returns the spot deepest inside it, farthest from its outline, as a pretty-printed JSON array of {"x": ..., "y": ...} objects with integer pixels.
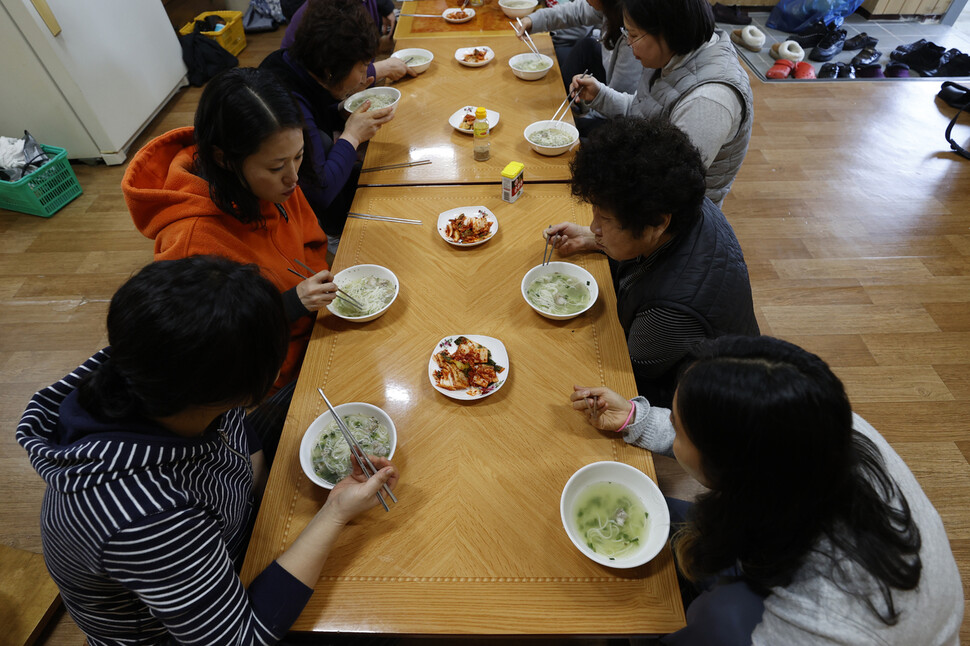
[{"x": 480, "y": 136}]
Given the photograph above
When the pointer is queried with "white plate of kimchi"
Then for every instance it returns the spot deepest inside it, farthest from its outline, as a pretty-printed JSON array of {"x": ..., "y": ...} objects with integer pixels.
[
  {"x": 468, "y": 366},
  {"x": 467, "y": 226}
]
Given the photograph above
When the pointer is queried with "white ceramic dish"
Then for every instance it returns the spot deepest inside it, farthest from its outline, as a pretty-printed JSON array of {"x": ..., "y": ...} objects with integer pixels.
[
  {"x": 404, "y": 54},
  {"x": 461, "y": 52},
  {"x": 551, "y": 151},
  {"x": 512, "y": 9},
  {"x": 529, "y": 75},
  {"x": 469, "y": 211},
  {"x": 354, "y": 99},
  {"x": 499, "y": 355},
  {"x": 455, "y": 120},
  {"x": 448, "y": 13},
  {"x": 658, "y": 519},
  {"x": 312, "y": 434},
  {"x": 360, "y": 271},
  {"x": 568, "y": 269}
]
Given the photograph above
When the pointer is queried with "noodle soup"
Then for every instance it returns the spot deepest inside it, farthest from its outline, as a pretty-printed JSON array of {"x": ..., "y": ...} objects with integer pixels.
[
  {"x": 372, "y": 292},
  {"x": 330, "y": 454},
  {"x": 559, "y": 294},
  {"x": 377, "y": 101},
  {"x": 551, "y": 137},
  {"x": 611, "y": 519},
  {"x": 533, "y": 65}
]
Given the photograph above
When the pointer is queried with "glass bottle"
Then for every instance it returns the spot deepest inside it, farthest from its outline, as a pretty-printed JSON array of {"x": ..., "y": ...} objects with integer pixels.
[{"x": 480, "y": 135}]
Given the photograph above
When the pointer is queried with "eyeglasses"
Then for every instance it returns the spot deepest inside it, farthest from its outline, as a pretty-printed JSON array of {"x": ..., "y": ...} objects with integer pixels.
[{"x": 626, "y": 35}]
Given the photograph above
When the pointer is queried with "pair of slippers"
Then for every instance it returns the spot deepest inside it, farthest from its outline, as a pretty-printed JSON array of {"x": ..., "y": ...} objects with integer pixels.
[
  {"x": 788, "y": 50},
  {"x": 784, "y": 68},
  {"x": 751, "y": 38}
]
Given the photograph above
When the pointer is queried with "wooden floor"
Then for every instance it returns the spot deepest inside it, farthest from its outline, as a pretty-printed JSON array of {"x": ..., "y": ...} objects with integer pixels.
[{"x": 853, "y": 216}]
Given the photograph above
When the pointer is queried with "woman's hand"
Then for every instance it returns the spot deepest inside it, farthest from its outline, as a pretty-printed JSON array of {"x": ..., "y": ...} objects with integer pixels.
[
  {"x": 388, "y": 22},
  {"x": 364, "y": 123},
  {"x": 604, "y": 409},
  {"x": 524, "y": 29},
  {"x": 356, "y": 494},
  {"x": 569, "y": 238},
  {"x": 392, "y": 69},
  {"x": 586, "y": 85},
  {"x": 317, "y": 291}
]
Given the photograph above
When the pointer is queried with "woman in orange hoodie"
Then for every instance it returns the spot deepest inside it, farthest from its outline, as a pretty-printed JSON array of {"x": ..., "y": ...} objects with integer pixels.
[{"x": 228, "y": 187}]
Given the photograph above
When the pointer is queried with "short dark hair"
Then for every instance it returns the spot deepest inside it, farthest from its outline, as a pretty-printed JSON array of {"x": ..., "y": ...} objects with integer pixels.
[
  {"x": 684, "y": 25},
  {"x": 200, "y": 330},
  {"x": 239, "y": 109},
  {"x": 640, "y": 170},
  {"x": 774, "y": 429},
  {"x": 333, "y": 36}
]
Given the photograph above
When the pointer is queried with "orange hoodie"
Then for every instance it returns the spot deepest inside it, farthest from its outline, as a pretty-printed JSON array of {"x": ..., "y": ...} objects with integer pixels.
[{"x": 171, "y": 206}]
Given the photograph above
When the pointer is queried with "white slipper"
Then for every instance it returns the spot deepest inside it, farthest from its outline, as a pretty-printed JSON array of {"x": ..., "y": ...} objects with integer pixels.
[
  {"x": 788, "y": 50},
  {"x": 749, "y": 37}
]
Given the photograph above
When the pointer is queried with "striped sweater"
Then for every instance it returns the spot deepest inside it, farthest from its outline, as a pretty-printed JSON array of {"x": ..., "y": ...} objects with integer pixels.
[{"x": 143, "y": 530}]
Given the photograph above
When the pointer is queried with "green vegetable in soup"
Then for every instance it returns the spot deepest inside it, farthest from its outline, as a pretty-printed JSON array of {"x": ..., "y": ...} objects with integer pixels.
[
  {"x": 377, "y": 101},
  {"x": 559, "y": 294},
  {"x": 610, "y": 519},
  {"x": 331, "y": 454}
]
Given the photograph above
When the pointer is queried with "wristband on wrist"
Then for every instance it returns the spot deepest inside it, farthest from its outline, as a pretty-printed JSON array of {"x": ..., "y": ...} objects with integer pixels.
[{"x": 628, "y": 417}]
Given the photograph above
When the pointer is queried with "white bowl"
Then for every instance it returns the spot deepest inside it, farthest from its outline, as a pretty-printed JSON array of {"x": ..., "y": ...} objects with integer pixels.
[
  {"x": 658, "y": 519},
  {"x": 551, "y": 151},
  {"x": 404, "y": 54},
  {"x": 353, "y": 99},
  {"x": 527, "y": 75},
  {"x": 516, "y": 11},
  {"x": 569, "y": 269},
  {"x": 360, "y": 271},
  {"x": 316, "y": 427}
]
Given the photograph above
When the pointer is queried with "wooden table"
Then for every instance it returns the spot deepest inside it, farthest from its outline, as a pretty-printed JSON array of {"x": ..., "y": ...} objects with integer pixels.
[
  {"x": 475, "y": 545},
  {"x": 420, "y": 127},
  {"x": 489, "y": 19}
]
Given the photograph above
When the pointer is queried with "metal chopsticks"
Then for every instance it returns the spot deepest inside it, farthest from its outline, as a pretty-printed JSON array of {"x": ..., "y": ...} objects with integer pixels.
[
  {"x": 558, "y": 117},
  {"x": 365, "y": 464},
  {"x": 382, "y": 218},
  {"x": 528, "y": 38},
  {"x": 421, "y": 15},
  {"x": 546, "y": 248},
  {"x": 420, "y": 162}
]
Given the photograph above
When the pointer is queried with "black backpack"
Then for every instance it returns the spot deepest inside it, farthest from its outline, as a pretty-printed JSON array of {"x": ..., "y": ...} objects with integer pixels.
[{"x": 203, "y": 56}]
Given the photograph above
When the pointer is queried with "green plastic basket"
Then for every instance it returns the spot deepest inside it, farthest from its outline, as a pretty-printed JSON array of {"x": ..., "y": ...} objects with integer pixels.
[{"x": 44, "y": 191}]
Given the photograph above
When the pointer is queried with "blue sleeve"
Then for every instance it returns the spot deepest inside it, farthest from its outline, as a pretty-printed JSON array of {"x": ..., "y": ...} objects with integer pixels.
[
  {"x": 332, "y": 169},
  {"x": 178, "y": 565}
]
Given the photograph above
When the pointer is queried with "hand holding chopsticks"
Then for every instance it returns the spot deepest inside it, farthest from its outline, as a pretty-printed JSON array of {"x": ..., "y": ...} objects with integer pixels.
[
  {"x": 526, "y": 37},
  {"x": 570, "y": 98},
  {"x": 603, "y": 408},
  {"x": 357, "y": 453},
  {"x": 307, "y": 299}
]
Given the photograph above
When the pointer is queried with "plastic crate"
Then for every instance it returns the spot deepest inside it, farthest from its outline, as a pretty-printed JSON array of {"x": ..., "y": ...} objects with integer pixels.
[
  {"x": 232, "y": 37},
  {"x": 44, "y": 191}
]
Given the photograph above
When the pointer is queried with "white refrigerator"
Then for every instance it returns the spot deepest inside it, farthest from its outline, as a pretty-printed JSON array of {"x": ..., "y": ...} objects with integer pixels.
[{"x": 86, "y": 75}]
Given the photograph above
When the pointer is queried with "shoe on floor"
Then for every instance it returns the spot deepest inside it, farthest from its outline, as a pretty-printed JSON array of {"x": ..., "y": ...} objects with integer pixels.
[
  {"x": 866, "y": 57},
  {"x": 782, "y": 69},
  {"x": 869, "y": 71},
  {"x": 811, "y": 35},
  {"x": 803, "y": 71},
  {"x": 897, "y": 70},
  {"x": 860, "y": 41},
  {"x": 957, "y": 64},
  {"x": 749, "y": 37},
  {"x": 828, "y": 71},
  {"x": 789, "y": 50},
  {"x": 732, "y": 15},
  {"x": 923, "y": 56},
  {"x": 846, "y": 71},
  {"x": 830, "y": 46}
]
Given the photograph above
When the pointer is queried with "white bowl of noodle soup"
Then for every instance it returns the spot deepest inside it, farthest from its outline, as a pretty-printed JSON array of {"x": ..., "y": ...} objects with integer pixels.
[
  {"x": 372, "y": 285},
  {"x": 336, "y": 447},
  {"x": 648, "y": 505},
  {"x": 517, "y": 8},
  {"x": 380, "y": 98},
  {"x": 530, "y": 67},
  {"x": 551, "y": 138},
  {"x": 418, "y": 60},
  {"x": 556, "y": 290}
]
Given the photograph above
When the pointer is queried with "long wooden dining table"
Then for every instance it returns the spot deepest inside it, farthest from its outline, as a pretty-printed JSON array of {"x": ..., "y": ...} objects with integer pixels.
[
  {"x": 475, "y": 545},
  {"x": 489, "y": 19},
  {"x": 420, "y": 128}
]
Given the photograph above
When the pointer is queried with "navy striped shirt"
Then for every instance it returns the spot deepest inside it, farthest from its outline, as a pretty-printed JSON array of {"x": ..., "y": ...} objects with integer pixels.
[{"x": 143, "y": 530}]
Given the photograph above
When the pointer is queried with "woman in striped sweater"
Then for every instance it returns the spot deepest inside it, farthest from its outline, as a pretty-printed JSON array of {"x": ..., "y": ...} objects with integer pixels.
[{"x": 152, "y": 472}]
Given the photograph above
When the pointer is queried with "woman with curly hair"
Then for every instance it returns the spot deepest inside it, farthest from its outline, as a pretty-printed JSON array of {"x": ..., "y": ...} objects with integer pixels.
[
  {"x": 691, "y": 76},
  {"x": 328, "y": 61},
  {"x": 678, "y": 270},
  {"x": 813, "y": 530}
]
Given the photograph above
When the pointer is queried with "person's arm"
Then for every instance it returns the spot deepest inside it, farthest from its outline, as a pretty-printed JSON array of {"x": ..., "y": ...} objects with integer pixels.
[
  {"x": 568, "y": 238},
  {"x": 332, "y": 167},
  {"x": 710, "y": 115},
  {"x": 611, "y": 103},
  {"x": 564, "y": 15},
  {"x": 640, "y": 423}
]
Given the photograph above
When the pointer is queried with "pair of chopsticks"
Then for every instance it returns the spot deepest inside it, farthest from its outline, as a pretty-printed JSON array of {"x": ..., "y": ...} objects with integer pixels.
[
  {"x": 382, "y": 218},
  {"x": 421, "y": 15},
  {"x": 347, "y": 297},
  {"x": 420, "y": 162},
  {"x": 528, "y": 38},
  {"x": 365, "y": 463},
  {"x": 546, "y": 248},
  {"x": 568, "y": 100}
]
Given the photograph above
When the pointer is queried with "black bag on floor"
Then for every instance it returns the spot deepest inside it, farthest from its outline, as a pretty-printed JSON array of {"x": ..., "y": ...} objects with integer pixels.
[
  {"x": 204, "y": 57},
  {"x": 956, "y": 96}
]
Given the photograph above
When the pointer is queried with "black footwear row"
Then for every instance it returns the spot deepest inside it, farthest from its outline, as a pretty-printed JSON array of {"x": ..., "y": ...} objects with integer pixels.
[
  {"x": 828, "y": 42},
  {"x": 929, "y": 59}
]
